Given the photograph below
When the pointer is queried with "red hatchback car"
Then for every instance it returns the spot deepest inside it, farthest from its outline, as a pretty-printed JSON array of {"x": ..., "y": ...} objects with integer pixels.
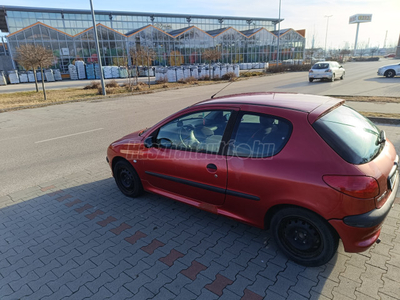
[{"x": 307, "y": 167}]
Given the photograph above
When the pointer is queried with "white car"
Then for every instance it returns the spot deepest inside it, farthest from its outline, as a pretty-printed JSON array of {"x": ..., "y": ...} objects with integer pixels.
[
  {"x": 329, "y": 70},
  {"x": 389, "y": 71}
]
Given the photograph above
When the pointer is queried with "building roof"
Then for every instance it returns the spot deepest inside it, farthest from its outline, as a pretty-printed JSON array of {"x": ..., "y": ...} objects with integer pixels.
[
  {"x": 179, "y": 31},
  {"x": 4, "y": 8},
  {"x": 251, "y": 31},
  {"x": 282, "y": 31}
]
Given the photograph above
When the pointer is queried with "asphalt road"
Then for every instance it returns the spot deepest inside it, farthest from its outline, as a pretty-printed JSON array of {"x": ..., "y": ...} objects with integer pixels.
[
  {"x": 360, "y": 79},
  {"x": 42, "y": 144}
]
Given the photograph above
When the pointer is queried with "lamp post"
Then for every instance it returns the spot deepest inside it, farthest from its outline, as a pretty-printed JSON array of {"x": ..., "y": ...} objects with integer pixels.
[
  {"x": 279, "y": 33},
  {"x": 97, "y": 49},
  {"x": 326, "y": 35}
]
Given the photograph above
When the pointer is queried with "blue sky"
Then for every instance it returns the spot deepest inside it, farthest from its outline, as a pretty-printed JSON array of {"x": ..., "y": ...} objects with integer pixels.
[{"x": 298, "y": 14}]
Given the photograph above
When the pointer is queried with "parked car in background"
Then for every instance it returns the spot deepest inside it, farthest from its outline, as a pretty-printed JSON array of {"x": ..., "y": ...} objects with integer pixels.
[
  {"x": 326, "y": 70},
  {"x": 389, "y": 71},
  {"x": 307, "y": 167},
  {"x": 389, "y": 55}
]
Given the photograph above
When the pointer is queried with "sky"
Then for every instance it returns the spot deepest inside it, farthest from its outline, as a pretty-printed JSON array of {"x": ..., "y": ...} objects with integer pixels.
[{"x": 297, "y": 14}]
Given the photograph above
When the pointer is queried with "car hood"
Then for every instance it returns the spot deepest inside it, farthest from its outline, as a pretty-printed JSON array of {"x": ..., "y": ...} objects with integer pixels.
[
  {"x": 389, "y": 66},
  {"x": 131, "y": 138}
]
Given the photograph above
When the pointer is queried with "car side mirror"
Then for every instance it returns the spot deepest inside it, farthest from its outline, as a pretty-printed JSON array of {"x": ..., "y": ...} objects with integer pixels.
[
  {"x": 148, "y": 142},
  {"x": 165, "y": 143}
]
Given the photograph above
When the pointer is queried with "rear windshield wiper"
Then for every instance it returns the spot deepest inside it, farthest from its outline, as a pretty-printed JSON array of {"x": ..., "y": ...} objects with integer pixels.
[{"x": 382, "y": 137}]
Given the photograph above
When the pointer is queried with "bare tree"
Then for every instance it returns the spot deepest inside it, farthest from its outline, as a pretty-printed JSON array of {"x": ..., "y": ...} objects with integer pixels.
[
  {"x": 35, "y": 56},
  {"x": 142, "y": 56},
  {"x": 24, "y": 58},
  {"x": 211, "y": 55},
  {"x": 374, "y": 50}
]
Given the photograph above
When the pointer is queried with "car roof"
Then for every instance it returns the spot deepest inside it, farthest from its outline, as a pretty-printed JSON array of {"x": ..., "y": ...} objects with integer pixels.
[{"x": 299, "y": 102}]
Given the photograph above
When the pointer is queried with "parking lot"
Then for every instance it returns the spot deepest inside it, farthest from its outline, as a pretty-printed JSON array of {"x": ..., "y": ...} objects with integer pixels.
[{"x": 67, "y": 232}]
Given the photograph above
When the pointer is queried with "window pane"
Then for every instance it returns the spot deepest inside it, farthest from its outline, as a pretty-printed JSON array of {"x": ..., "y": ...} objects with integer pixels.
[
  {"x": 259, "y": 135},
  {"x": 200, "y": 131}
]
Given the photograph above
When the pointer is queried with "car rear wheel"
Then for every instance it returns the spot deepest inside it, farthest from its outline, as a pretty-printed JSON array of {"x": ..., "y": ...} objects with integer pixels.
[
  {"x": 342, "y": 77},
  {"x": 389, "y": 73},
  {"x": 304, "y": 237},
  {"x": 127, "y": 179},
  {"x": 333, "y": 78},
  {"x": 310, "y": 79}
]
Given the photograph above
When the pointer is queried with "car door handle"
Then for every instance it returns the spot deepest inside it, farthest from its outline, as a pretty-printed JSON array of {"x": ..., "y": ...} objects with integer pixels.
[{"x": 211, "y": 168}]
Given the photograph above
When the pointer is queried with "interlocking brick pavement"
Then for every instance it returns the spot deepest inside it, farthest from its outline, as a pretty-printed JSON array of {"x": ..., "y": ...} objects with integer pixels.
[{"x": 79, "y": 237}]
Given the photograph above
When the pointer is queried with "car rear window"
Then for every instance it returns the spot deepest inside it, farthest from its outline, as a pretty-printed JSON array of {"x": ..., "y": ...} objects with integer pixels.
[
  {"x": 320, "y": 66},
  {"x": 352, "y": 136}
]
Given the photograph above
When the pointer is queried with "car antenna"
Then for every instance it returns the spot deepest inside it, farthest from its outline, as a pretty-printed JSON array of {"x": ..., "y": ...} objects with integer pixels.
[{"x": 232, "y": 81}]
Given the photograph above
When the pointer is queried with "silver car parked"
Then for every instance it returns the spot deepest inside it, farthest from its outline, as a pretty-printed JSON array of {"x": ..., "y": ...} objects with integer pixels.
[
  {"x": 389, "y": 71},
  {"x": 328, "y": 70}
]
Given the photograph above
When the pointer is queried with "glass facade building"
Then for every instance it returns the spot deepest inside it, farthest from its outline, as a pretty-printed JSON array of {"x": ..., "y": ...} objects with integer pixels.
[{"x": 176, "y": 39}]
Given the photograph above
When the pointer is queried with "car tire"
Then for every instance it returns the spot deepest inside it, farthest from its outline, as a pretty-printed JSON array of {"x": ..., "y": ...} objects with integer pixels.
[
  {"x": 304, "y": 237},
  {"x": 390, "y": 73},
  {"x": 342, "y": 77},
  {"x": 127, "y": 179},
  {"x": 333, "y": 77},
  {"x": 310, "y": 79}
]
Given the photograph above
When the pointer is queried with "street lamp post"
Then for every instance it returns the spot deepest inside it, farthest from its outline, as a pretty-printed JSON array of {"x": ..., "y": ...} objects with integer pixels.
[
  {"x": 97, "y": 49},
  {"x": 326, "y": 35},
  {"x": 279, "y": 33}
]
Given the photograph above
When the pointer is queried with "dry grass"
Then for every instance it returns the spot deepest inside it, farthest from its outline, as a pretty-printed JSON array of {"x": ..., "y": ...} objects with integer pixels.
[
  {"x": 21, "y": 99},
  {"x": 112, "y": 84}
]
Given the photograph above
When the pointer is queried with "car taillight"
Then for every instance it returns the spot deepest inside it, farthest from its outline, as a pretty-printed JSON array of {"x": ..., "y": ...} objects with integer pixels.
[
  {"x": 356, "y": 186},
  {"x": 329, "y": 70}
]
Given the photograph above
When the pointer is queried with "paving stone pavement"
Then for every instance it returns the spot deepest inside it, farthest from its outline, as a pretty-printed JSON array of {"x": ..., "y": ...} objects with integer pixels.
[{"x": 80, "y": 238}]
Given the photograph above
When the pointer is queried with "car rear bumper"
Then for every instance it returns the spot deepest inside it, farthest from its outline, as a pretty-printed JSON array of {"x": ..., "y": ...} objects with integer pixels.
[
  {"x": 359, "y": 232},
  {"x": 320, "y": 76}
]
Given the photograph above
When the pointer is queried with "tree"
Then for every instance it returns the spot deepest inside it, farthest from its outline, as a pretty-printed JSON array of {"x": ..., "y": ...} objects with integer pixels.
[
  {"x": 34, "y": 56},
  {"x": 142, "y": 56},
  {"x": 374, "y": 50},
  {"x": 24, "y": 58},
  {"x": 211, "y": 55}
]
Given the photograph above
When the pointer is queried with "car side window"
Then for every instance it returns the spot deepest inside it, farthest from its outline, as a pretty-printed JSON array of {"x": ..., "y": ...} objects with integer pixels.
[
  {"x": 259, "y": 135},
  {"x": 200, "y": 131}
]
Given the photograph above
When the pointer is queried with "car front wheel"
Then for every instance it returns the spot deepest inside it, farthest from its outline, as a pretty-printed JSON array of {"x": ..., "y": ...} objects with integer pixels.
[
  {"x": 304, "y": 237},
  {"x": 127, "y": 179},
  {"x": 389, "y": 73}
]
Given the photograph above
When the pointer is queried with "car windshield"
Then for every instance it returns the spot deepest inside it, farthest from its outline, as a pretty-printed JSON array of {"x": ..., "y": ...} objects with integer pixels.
[
  {"x": 321, "y": 66},
  {"x": 353, "y": 137}
]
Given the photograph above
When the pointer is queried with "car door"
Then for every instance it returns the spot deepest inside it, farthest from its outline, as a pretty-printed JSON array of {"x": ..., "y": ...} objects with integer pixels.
[
  {"x": 185, "y": 160},
  {"x": 398, "y": 69},
  {"x": 255, "y": 170}
]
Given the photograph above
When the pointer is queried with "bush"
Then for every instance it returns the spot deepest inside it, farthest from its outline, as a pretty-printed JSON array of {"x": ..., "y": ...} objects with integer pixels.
[
  {"x": 94, "y": 85},
  {"x": 252, "y": 73},
  {"x": 112, "y": 84},
  {"x": 288, "y": 68},
  {"x": 182, "y": 81},
  {"x": 162, "y": 80},
  {"x": 229, "y": 76},
  {"x": 205, "y": 77},
  {"x": 191, "y": 80},
  {"x": 216, "y": 78},
  {"x": 165, "y": 86},
  {"x": 109, "y": 90}
]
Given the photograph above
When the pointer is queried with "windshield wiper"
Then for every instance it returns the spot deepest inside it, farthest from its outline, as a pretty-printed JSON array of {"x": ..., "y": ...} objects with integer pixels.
[{"x": 381, "y": 138}]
